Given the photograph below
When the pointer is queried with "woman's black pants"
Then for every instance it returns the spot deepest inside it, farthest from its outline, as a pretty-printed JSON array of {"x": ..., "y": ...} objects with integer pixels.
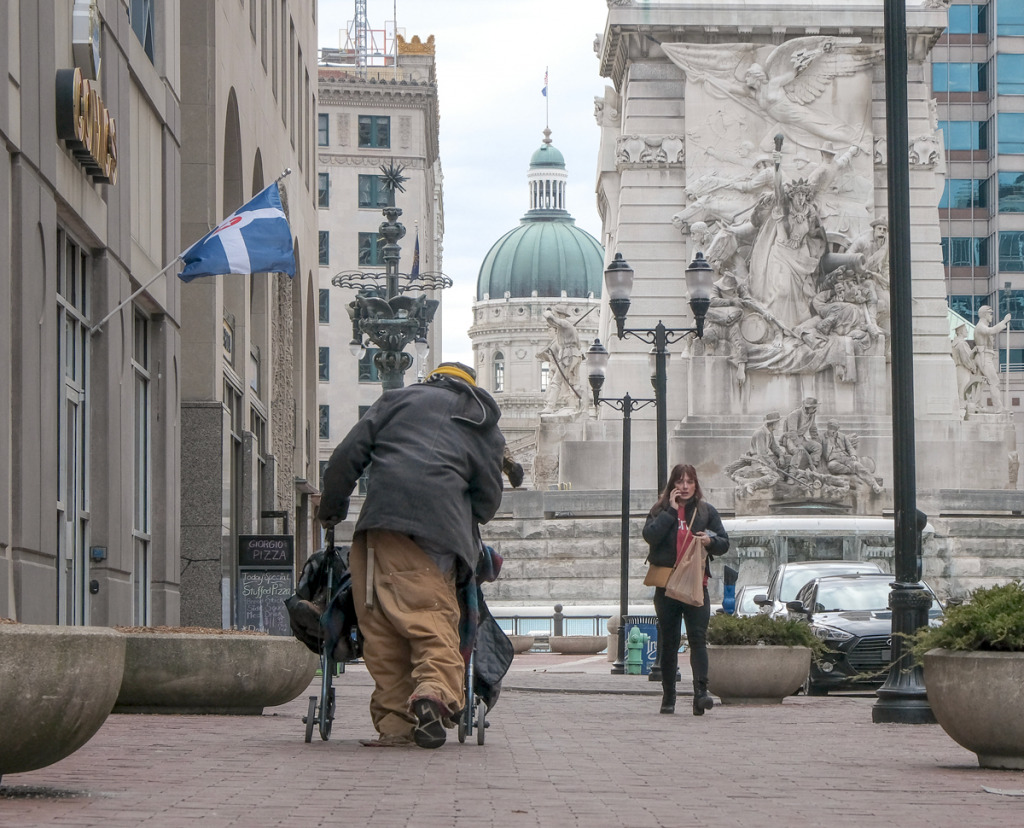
[{"x": 671, "y": 615}]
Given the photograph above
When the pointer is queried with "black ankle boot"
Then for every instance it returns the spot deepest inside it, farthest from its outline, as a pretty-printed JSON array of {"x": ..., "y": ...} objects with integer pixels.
[
  {"x": 668, "y": 699},
  {"x": 701, "y": 700}
]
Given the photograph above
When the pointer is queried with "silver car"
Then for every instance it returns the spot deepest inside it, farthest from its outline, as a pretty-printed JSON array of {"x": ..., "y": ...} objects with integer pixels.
[
  {"x": 788, "y": 578},
  {"x": 745, "y": 596}
]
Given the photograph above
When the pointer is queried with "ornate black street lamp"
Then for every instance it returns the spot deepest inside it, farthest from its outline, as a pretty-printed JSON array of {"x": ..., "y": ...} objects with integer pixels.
[
  {"x": 902, "y": 699},
  {"x": 383, "y": 312},
  {"x": 618, "y": 279},
  {"x": 597, "y": 360}
]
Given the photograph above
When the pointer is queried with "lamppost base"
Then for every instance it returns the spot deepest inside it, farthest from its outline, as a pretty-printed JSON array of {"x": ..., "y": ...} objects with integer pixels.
[
  {"x": 618, "y": 669},
  {"x": 902, "y": 711}
]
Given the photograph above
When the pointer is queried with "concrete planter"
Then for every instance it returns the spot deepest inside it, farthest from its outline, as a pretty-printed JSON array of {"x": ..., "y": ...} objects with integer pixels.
[
  {"x": 978, "y": 698},
  {"x": 211, "y": 673},
  {"x": 521, "y": 643},
  {"x": 577, "y": 644},
  {"x": 58, "y": 686},
  {"x": 756, "y": 674}
]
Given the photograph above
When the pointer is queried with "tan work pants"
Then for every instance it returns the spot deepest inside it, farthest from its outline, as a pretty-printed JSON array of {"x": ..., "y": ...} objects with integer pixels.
[{"x": 409, "y": 618}]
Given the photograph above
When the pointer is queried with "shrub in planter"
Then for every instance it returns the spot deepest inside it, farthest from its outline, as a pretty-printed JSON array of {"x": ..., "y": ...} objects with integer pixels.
[
  {"x": 974, "y": 674},
  {"x": 753, "y": 630},
  {"x": 758, "y": 659}
]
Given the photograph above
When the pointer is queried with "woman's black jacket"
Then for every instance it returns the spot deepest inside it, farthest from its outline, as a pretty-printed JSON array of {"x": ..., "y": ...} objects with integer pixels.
[{"x": 663, "y": 524}]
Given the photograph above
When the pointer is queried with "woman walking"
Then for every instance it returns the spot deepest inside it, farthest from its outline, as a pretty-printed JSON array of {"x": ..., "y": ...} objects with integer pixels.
[{"x": 681, "y": 510}]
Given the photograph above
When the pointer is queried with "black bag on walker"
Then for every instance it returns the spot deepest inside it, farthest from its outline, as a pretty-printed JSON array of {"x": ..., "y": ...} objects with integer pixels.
[{"x": 318, "y": 619}]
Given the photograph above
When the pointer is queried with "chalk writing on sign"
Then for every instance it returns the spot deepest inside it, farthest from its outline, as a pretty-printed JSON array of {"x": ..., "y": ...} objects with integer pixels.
[{"x": 261, "y": 597}]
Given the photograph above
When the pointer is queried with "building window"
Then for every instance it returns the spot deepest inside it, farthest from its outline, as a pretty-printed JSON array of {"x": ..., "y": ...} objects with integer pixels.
[
  {"x": 322, "y": 127},
  {"x": 323, "y": 470},
  {"x": 255, "y": 369},
  {"x": 323, "y": 189},
  {"x": 964, "y": 135},
  {"x": 72, "y": 475},
  {"x": 967, "y": 305},
  {"x": 367, "y": 368},
  {"x": 964, "y": 252},
  {"x": 959, "y": 77},
  {"x": 1010, "y": 127},
  {"x": 325, "y": 248},
  {"x": 325, "y": 306},
  {"x": 1016, "y": 362},
  {"x": 141, "y": 17},
  {"x": 375, "y": 131},
  {"x": 228, "y": 337},
  {"x": 325, "y": 422},
  {"x": 1011, "y": 251},
  {"x": 964, "y": 193},
  {"x": 373, "y": 194},
  {"x": 545, "y": 375},
  {"x": 1009, "y": 74},
  {"x": 499, "y": 371},
  {"x": 1011, "y": 192},
  {"x": 258, "y": 427},
  {"x": 967, "y": 19},
  {"x": 1012, "y": 302},
  {"x": 1009, "y": 19},
  {"x": 141, "y": 532},
  {"x": 325, "y": 364},
  {"x": 371, "y": 249}
]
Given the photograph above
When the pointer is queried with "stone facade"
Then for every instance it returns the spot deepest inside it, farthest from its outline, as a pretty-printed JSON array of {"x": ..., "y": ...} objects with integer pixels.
[
  {"x": 89, "y": 426},
  {"x": 248, "y": 365}
]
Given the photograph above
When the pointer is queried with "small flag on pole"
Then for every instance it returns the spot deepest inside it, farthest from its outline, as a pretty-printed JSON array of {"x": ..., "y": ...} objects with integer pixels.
[
  {"x": 544, "y": 91},
  {"x": 256, "y": 238},
  {"x": 415, "y": 258}
]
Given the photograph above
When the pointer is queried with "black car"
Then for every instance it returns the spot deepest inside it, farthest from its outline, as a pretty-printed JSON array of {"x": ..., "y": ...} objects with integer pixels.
[{"x": 851, "y": 614}]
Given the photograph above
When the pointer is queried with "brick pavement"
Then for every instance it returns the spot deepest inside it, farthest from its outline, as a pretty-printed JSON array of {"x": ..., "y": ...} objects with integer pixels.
[{"x": 569, "y": 745}]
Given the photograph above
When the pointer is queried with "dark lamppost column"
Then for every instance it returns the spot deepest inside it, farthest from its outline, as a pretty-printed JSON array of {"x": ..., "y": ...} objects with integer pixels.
[
  {"x": 618, "y": 277},
  {"x": 385, "y": 314},
  {"x": 597, "y": 359},
  {"x": 902, "y": 699}
]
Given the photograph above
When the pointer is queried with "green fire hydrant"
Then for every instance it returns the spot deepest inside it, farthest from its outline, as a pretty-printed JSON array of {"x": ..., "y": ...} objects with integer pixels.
[{"x": 635, "y": 651}]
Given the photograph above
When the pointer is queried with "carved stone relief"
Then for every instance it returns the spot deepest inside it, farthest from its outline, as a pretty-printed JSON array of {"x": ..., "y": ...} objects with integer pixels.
[
  {"x": 649, "y": 149},
  {"x": 924, "y": 151},
  {"x": 343, "y": 129},
  {"x": 802, "y": 459},
  {"x": 780, "y": 184}
]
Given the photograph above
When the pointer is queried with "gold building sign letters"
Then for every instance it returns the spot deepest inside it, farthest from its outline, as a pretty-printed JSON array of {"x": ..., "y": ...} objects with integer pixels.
[{"x": 85, "y": 126}]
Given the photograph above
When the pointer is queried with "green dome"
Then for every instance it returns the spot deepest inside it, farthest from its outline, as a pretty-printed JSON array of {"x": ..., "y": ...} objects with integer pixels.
[
  {"x": 547, "y": 156},
  {"x": 546, "y": 253}
]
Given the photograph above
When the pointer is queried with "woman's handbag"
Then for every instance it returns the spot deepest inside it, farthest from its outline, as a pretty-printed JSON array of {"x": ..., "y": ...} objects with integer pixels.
[
  {"x": 686, "y": 583},
  {"x": 657, "y": 576}
]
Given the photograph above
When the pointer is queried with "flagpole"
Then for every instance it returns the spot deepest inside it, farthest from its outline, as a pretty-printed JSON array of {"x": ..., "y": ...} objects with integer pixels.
[{"x": 98, "y": 325}]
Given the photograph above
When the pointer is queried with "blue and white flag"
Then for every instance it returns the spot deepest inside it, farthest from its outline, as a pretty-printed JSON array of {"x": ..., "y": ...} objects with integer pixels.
[{"x": 256, "y": 238}]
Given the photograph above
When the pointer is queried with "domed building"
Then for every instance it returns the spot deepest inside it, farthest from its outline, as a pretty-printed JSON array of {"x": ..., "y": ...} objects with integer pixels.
[{"x": 547, "y": 263}]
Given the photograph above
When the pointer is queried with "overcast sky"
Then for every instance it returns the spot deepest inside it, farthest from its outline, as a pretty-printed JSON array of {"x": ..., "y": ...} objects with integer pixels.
[{"x": 491, "y": 58}]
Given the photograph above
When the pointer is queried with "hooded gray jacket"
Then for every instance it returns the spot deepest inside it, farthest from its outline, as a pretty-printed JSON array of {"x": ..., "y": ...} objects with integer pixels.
[{"x": 436, "y": 452}]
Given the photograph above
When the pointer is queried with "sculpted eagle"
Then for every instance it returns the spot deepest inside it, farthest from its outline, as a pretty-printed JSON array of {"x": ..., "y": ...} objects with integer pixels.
[{"x": 786, "y": 87}]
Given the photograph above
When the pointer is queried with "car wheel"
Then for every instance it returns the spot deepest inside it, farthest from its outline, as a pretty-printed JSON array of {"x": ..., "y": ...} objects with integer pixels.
[{"x": 812, "y": 689}]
